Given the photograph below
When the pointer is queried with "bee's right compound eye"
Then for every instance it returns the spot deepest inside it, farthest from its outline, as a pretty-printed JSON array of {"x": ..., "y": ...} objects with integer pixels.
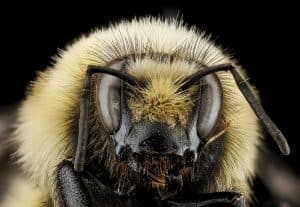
[{"x": 108, "y": 93}]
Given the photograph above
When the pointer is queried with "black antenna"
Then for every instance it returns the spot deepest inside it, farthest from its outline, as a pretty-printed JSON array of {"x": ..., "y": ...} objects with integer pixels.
[
  {"x": 192, "y": 79},
  {"x": 261, "y": 114},
  {"x": 250, "y": 97}
]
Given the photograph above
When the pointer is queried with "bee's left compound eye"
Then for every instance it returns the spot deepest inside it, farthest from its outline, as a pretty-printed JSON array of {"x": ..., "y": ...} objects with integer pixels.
[
  {"x": 108, "y": 93},
  {"x": 210, "y": 106}
]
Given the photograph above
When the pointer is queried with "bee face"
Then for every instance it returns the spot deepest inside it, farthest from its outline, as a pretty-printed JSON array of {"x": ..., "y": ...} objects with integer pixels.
[
  {"x": 157, "y": 126},
  {"x": 206, "y": 133}
]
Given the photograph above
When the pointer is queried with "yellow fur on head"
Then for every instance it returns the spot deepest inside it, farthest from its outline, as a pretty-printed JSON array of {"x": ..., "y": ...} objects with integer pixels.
[
  {"x": 161, "y": 99},
  {"x": 46, "y": 116}
]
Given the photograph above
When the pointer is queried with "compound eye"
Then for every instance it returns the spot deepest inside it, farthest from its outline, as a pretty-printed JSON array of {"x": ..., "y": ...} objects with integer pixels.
[
  {"x": 108, "y": 92},
  {"x": 210, "y": 105}
]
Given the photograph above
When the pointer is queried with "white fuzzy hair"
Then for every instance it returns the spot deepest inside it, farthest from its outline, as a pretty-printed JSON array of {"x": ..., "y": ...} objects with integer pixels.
[{"x": 43, "y": 134}]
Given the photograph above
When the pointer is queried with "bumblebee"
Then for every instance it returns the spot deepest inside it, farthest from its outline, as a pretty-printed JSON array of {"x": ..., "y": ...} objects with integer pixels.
[{"x": 144, "y": 112}]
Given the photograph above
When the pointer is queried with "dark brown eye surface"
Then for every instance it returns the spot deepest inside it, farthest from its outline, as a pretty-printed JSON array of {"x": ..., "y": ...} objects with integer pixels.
[
  {"x": 210, "y": 105},
  {"x": 109, "y": 99}
]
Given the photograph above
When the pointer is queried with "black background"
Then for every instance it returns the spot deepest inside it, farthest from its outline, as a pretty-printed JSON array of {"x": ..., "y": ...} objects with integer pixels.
[{"x": 263, "y": 38}]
